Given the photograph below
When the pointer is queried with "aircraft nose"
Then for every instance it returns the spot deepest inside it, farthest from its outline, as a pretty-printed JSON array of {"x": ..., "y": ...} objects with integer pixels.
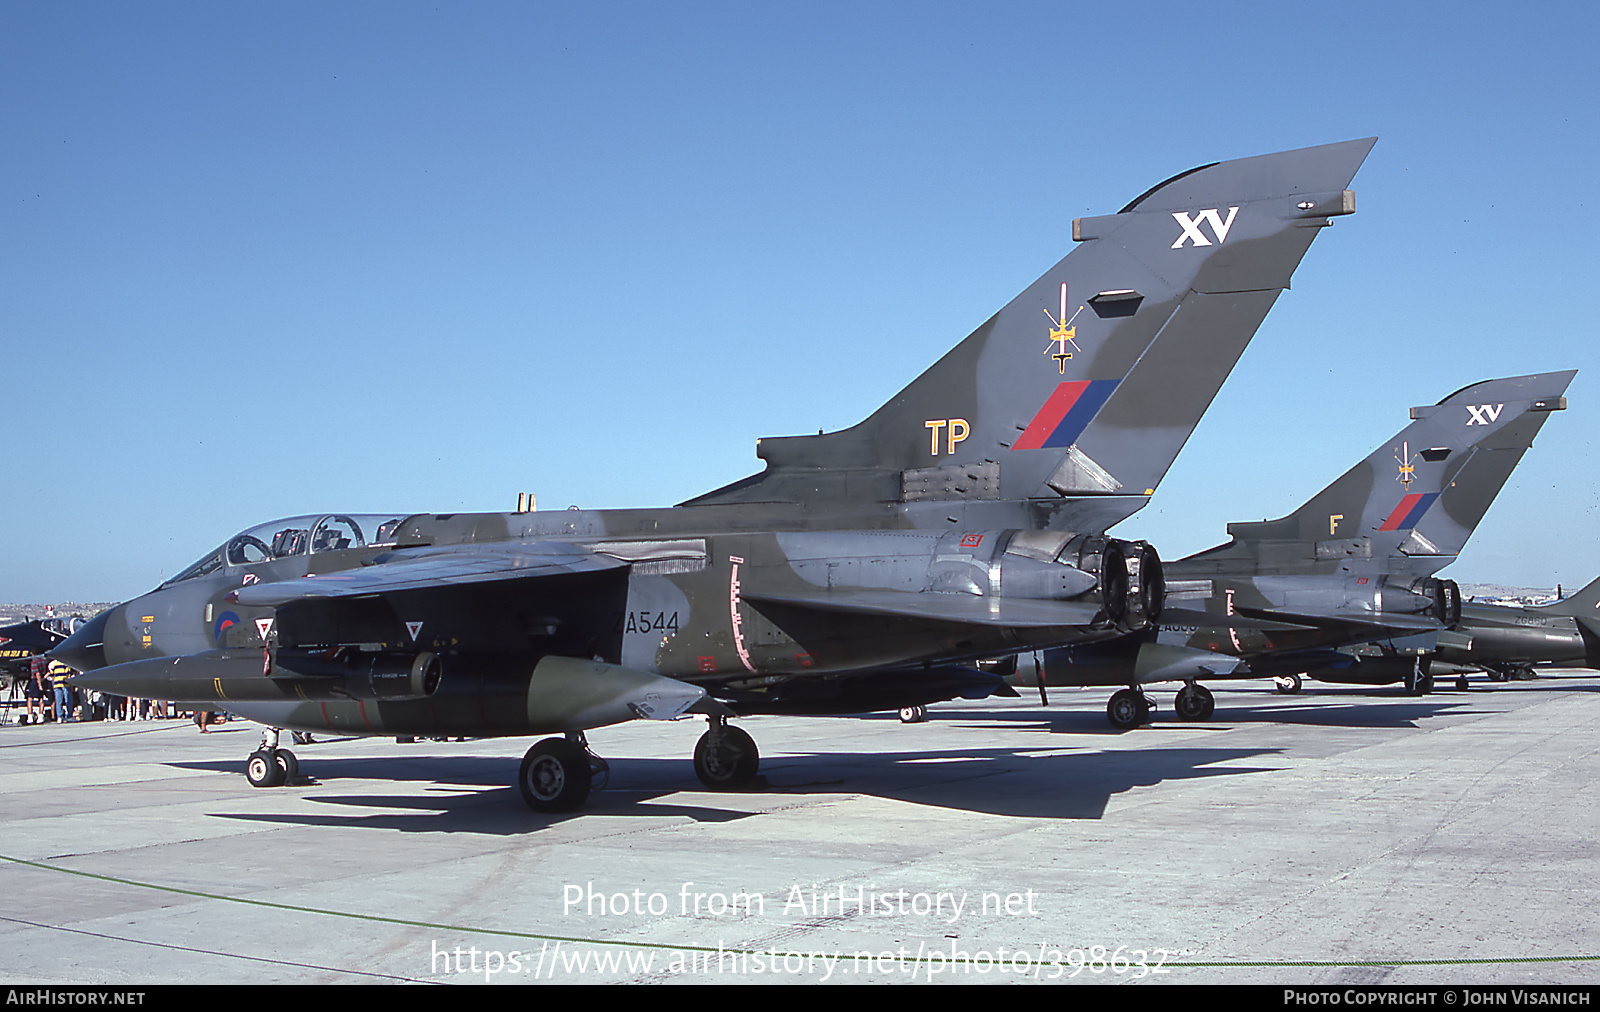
[{"x": 85, "y": 650}]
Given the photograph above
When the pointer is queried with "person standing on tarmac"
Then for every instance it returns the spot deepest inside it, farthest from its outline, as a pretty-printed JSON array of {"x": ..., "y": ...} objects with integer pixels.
[
  {"x": 58, "y": 675},
  {"x": 34, "y": 691}
]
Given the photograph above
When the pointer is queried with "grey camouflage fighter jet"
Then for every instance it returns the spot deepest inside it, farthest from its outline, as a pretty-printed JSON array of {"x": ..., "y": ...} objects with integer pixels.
[
  {"x": 1504, "y": 641},
  {"x": 1508, "y": 642},
  {"x": 1356, "y": 563},
  {"x": 860, "y": 570}
]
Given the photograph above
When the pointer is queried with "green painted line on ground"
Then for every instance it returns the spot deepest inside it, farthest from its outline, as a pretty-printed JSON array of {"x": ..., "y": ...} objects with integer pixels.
[{"x": 578, "y": 940}]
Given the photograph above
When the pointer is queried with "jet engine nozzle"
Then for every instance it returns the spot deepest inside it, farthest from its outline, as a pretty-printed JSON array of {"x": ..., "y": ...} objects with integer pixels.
[
  {"x": 1446, "y": 598},
  {"x": 1147, "y": 585},
  {"x": 1132, "y": 582}
]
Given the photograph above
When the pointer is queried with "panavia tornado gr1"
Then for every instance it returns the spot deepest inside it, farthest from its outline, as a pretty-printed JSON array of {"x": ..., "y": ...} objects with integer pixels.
[
  {"x": 860, "y": 570},
  {"x": 1354, "y": 565},
  {"x": 1510, "y": 642}
]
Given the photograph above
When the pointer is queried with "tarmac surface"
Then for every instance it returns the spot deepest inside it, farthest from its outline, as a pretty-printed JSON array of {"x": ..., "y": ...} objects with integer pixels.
[{"x": 1342, "y": 837}]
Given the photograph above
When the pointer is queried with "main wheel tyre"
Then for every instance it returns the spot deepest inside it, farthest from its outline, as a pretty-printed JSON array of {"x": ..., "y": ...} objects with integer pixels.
[
  {"x": 262, "y": 769},
  {"x": 1194, "y": 702},
  {"x": 1127, "y": 709},
  {"x": 913, "y": 714},
  {"x": 1287, "y": 685},
  {"x": 555, "y": 776},
  {"x": 288, "y": 763},
  {"x": 725, "y": 758}
]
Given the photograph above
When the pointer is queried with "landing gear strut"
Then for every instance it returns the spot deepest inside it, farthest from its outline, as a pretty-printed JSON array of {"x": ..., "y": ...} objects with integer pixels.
[
  {"x": 725, "y": 758},
  {"x": 269, "y": 765},
  {"x": 1128, "y": 708},
  {"x": 1194, "y": 702},
  {"x": 1418, "y": 681}
]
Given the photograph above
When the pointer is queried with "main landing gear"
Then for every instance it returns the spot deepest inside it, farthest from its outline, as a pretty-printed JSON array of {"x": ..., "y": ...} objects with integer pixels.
[
  {"x": 1417, "y": 681},
  {"x": 269, "y": 765},
  {"x": 1128, "y": 708},
  {"x": 558, "y": 773},
  {"x": 1287, "y": 685},
  {"x": 1516, "y": 672},
  {"x": 1194, "y": 702},
  {"x": 913, "y": 714},
  {"x": 725, "y": 758}
]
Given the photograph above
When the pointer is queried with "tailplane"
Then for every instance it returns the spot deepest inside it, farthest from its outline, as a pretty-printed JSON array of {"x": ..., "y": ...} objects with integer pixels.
[{"x": 1085, "y": 386}]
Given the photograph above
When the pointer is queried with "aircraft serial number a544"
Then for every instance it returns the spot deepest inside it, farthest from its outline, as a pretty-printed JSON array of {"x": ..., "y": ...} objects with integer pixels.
[{"x": 860, "y": 570}]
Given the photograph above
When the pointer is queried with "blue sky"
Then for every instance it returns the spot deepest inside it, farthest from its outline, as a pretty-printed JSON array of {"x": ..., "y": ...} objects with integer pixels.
[{"x": 270, "y": 259}]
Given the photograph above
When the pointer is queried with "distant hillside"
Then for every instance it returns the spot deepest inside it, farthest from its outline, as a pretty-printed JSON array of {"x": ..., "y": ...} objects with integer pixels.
[
  {"x": 1491, "y": 592},
  {"x": 13, "y": 613}
]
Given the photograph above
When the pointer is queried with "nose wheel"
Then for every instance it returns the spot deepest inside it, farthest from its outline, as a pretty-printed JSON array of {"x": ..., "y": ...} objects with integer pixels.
[{"x": 269, "y": 765}]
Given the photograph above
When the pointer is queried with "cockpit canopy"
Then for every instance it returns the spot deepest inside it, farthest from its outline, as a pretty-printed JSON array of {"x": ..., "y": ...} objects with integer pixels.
[{"x": 318, "y": 532}]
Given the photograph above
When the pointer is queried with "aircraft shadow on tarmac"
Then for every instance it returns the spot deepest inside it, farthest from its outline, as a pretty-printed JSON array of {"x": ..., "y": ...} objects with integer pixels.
[
  {"x": 1039, "y": 779},
  {"x": 1397, "y": 712},
  {"x": 1000, "y": 781}
]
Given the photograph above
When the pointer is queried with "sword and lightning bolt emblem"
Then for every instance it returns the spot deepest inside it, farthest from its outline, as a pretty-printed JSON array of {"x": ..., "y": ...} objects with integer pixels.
[
  {"x": 1408, "y": 470},
  {"x": 1062, "y": 333}
]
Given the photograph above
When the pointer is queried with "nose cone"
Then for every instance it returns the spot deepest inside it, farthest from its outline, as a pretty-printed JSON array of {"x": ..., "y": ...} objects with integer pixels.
[{"x": 85, "y": 650}]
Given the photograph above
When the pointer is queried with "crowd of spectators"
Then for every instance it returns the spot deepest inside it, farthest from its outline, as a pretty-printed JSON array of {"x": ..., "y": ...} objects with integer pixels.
[{"x": 46, "y": 697}]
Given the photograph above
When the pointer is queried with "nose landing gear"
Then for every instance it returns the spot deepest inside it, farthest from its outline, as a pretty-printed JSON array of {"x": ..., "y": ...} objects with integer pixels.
[{"x": 269, "y": 765}]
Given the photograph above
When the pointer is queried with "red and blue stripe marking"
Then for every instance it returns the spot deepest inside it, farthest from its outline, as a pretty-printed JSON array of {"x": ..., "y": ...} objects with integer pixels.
[
  {"x": 1409, "y": 511},
  {"x": 1066, "y": 413}
]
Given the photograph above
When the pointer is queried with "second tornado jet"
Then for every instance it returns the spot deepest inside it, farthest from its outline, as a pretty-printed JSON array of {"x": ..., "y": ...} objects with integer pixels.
[{"x": 1354, "y": 564}]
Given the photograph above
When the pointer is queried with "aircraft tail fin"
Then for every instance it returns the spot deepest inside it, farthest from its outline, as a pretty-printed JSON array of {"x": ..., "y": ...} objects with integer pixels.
[
  {"x": 1086, "y": 385},
  {"x": 1584, "y": 603},
  {"x": 1410, "y": 506}
]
